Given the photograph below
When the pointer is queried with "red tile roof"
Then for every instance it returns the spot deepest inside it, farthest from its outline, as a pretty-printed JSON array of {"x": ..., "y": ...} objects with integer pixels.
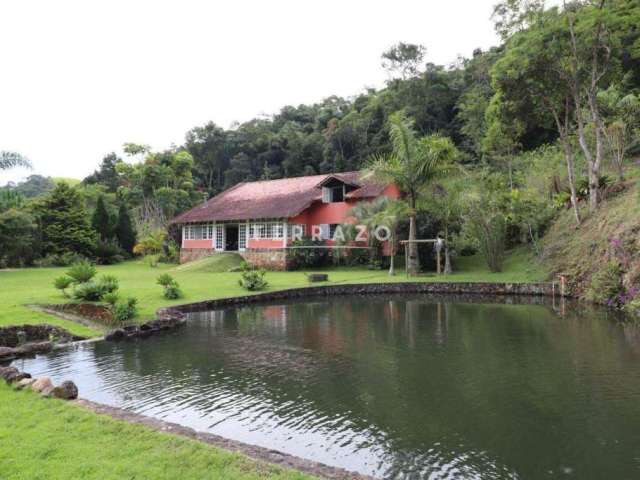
[{"x": 283, "y": 198}]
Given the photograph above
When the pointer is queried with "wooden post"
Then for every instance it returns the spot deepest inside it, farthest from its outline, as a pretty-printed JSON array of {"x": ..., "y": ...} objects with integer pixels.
[
  {"x": 438, "y": 261},
  {"x": 406, "y": 261}
]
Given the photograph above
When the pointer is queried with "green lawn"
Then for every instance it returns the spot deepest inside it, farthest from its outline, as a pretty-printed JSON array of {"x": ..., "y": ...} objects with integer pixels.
[
  {"x": 50, "y": 439},
  {"x": 19, "y": 288}
]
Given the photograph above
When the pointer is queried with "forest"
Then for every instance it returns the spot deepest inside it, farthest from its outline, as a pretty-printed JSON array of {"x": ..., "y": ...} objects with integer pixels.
[{"x": 546, "y": 123}]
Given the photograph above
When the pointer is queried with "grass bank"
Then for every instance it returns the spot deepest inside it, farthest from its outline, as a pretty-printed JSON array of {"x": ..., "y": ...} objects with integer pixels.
[
  {"x": 50, "y": 439},
  {"x": 22, "y": 287}
]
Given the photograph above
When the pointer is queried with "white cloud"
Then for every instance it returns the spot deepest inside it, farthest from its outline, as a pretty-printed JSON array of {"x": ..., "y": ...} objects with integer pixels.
[{"x": 81, "y": 78}]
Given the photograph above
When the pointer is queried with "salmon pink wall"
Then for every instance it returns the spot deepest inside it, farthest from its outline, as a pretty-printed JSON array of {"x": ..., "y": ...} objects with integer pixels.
[
  {"x": 319, "y": 213},
  {"x": 197, "y": 243},
  {"x": 265, "y": 243}
]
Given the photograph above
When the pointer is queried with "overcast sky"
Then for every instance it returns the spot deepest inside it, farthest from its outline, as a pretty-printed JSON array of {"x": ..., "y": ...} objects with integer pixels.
[{"x": 78, "y": 79}]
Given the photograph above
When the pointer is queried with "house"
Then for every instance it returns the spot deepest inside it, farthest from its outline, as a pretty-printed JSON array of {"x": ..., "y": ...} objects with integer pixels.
[{"x": 260, "y": 219}]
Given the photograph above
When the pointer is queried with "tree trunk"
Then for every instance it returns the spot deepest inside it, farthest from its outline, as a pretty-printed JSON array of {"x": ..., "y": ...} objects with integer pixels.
[
  {"x": 392, "y": 269},
  {"x": 447, "y": 261},
  {"x": 572, "y": 182},
  {"x": 413, "y": 262},
  {"x": 594, "y": 166}
]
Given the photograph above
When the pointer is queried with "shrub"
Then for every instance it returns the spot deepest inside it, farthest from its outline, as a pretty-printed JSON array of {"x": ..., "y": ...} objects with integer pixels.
[
  {"x": 109, "y": 283},
  {"x": 252, "y": 279},
  {"x": 170, "y": 252},
  {"x": 82, "y": 271},
  {"x": 111, "y": 298},
  {"x": 606, "y": 285},
  {"x": 165, "y": 279},
  {"x": 125, "y": 311},
  {"x": 94, "y": 291},
  {"x": 108, "y": 252},
  {"x": 59, "y": 260},
  {"x": 171, "y": 287},
  {"x": 62, "y": 283},
  {"x": 307, "y": 254},
  {"x": 489, "y": 231},
  {"x": 172, "y": 292},
  {"x": 88, "y": 291}
]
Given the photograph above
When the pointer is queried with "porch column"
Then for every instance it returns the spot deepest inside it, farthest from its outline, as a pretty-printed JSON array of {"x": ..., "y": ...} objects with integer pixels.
[{"x": 284, "y": 235}]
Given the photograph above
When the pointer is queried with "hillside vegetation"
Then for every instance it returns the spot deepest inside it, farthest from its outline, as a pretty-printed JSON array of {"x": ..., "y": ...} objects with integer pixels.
[{"x": 610, "y": 234}]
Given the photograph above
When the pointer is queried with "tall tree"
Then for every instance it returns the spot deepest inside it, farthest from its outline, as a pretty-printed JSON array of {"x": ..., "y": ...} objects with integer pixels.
[
  {"x": 125, "y": 231},
  {"x": 101, "y": 220},
  {"x": 404, "y": 59},
  {"x": 12, "y": 159},
  {"x": 64, "y": 223},
  {"x": 413, "y": 164}
]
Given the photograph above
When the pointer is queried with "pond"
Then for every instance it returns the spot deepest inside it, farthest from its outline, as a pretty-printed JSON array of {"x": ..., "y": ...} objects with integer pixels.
[{"x": 391, "y": 386}]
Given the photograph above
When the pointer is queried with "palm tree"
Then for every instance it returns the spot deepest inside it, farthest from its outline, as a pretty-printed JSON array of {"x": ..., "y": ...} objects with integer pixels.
[
  {"x": 413, "y": 164},
  {"x": 12, "y": 159},
  {"x": 393, "y": 213},
  {"x": 382, "y": 211}
]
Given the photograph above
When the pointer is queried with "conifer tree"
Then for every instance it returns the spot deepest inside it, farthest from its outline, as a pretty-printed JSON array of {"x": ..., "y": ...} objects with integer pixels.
[
  {"x": 64, "y": 222},
  {"x": 101, "y": 220},
  {"x": 125, "y": 231}
]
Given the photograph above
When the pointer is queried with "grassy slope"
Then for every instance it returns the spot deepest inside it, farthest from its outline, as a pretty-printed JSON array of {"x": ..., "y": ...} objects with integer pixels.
[
  {"x": 49, "y": 439},
  {"x": 30, "y": 286},
  {"x": 582, "y": 252}
]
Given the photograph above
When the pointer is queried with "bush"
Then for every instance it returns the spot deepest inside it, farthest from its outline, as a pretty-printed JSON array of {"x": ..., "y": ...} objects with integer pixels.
[
  {"x": 310, "y": 256},
  {"x": 606, "y": 285},
  {"x": 172, "y": 292},
  {"x": 170, "y": 252},
  {"x": 62, "y": 283},
  {"x": 109, "y": 283},
  {"x": 82, "y": 272},
  {"x": 111, "y": 298},
  {"x": 489, "y": 231},
  {"x": 89, "y": 292},
  {"x": 94, "y": 291},
  {"x": 171, "y": 287},
  {"x": 165, "y": 279},
  {"x": 253, "y": 279},
  {"x": 108, "y": 252},
  {"x": 125, "y": 311},
  {"x": 59, "y": 260}
]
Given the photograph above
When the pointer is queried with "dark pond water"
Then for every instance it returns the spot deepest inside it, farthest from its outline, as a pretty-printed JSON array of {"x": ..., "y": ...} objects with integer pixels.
[{"x": 396, "y": 387}]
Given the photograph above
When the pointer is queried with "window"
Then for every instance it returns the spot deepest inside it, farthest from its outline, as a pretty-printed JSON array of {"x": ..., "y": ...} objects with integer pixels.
[
  {"x": 332, "y": 230},
  {"x": 219, "y": 237},
  {"x": 242, "y": 236},
  {"x": 333, "y": 194},
  {"x": 267, "y": 230}
]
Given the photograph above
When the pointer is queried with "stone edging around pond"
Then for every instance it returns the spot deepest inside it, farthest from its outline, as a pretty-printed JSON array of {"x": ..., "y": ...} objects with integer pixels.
[
  {"x": 467, "y": 288},
  {"x": 257, "y": 453}
]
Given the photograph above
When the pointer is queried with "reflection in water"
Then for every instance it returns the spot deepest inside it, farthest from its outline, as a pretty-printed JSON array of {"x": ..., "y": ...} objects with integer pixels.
[{"x": 394, "y": 386}]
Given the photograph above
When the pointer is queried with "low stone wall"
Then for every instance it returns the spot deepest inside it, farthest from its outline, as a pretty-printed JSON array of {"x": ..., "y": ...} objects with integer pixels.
[
  {"x": 191, "y": 254},
  {"x": 16, "y": 335},
  {"x": 468, "y": 289},
  {"x": 271, "y": 259}
]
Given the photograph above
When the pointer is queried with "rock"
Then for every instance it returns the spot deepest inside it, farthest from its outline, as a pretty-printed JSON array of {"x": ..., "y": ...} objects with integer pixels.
[
  {"x": 16, "y": 377},
  {"x": 41, "y": 384},
  {"x": 318, "y": 277},
  {"x": 46, "y": 392},
  {"x": 7, "y": 353},
  {"x": 24, "y": 383},
  {"x": 8, "y": 372},
  {"x": 117, "y": 334},
  {"x": 65, "y": 391}
]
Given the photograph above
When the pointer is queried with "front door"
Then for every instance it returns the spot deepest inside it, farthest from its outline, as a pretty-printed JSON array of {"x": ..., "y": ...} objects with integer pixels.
[{"x": 231, "y": 237}]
